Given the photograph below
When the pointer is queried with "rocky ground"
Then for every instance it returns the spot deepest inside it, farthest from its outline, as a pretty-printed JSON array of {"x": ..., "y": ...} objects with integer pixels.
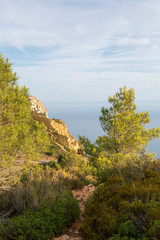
[{"x": 81, "y": 195}]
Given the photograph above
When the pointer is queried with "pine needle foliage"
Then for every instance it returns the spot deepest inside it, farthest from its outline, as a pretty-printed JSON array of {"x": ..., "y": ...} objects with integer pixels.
[
  {"x": 124, "y": 127},
  {"x": 124, "y": 144},
  {"x": 20, "y": 136}
]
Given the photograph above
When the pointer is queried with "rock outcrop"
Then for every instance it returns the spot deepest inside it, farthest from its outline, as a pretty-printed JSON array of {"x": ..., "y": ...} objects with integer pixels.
[
  {"x": 62, "y": 129},
  {"x": 57, "y": 128},
  {"x": 37, "y": 106}
]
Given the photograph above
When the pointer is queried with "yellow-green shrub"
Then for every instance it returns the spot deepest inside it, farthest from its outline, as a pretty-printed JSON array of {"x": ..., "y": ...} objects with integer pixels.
[
  {"x": 47, "y": 222},
  {"x": 138, "y": 202},
  {"x": 38, "y": 186}
]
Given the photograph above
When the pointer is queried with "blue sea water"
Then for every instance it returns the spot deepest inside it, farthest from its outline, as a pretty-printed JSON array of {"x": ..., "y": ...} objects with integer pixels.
[{"x": 83, "y": 119}]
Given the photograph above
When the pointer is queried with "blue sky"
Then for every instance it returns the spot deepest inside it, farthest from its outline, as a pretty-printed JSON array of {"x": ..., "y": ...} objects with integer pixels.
[{"x": 83, "y": 50}]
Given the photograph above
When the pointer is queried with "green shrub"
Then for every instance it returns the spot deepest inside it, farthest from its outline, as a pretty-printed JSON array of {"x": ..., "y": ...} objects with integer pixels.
[
  {"x": 52, "y": 164},
  {"x": 74, "y": 183},
  {"x": 76, "y": 171},
  {"x": 38, "y": 186},
  {"x": 119, "y": 210},
  {"x": 126, "y": 231},
  {"x": 47, "y": 222},
  {"x": 155, "y": 229},
  {"x": 68, "y": 180},
  {"x": 62, "y": 158}
]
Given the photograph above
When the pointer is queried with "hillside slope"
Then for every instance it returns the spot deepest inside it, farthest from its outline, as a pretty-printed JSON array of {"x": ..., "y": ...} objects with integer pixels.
[{"x": 61, "y": 139}]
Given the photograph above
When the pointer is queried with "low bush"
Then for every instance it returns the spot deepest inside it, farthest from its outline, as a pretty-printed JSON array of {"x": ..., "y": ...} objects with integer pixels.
[
  {"x": 47, "y": 222},
  {"x": 37, "y": 186},
  {"x": 68, "y": 180},
  {"x": 119, "y": 210},
  {"x": 78, "y": 167}
]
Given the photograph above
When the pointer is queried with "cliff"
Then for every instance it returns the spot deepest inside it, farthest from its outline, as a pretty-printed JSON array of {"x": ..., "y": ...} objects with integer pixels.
[
  {"x": 37, "y": 106},
  {"x": 62, "y": 129},
  {"x": 57, "y": 129}
]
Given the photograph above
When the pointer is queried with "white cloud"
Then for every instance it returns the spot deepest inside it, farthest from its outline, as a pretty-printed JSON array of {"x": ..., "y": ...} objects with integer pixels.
[
  {"x": 133, "y": 41},
  {"x": 90, "y": 48}
]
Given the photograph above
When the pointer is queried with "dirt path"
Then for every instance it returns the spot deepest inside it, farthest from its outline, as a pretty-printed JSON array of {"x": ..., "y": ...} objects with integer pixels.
[{"x": 81, "y": 195}]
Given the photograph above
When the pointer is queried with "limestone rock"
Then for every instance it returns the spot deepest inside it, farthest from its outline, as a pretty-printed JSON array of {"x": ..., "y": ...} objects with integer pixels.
[
  {"x": 62, "y": 129},
  {"x": 37, "y": 106},
  {"x": 57, "y": 125}
]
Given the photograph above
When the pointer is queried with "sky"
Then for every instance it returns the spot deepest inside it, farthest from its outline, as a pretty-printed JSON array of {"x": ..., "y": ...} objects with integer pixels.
[{"x": 68, "y": 51}]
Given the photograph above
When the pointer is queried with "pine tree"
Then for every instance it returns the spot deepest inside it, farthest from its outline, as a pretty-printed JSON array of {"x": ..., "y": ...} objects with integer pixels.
[
  {"x": 126, "y": 137},
  {"x": 124, "y": 127},
  {"x": 20, "y": 135}
]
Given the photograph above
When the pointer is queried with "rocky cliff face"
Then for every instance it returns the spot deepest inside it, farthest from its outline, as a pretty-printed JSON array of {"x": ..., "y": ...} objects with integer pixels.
[
  {"x": 37, "y": 106},
  {"x": 56, "y": 127},
  {"x": 62, "y": 129}
]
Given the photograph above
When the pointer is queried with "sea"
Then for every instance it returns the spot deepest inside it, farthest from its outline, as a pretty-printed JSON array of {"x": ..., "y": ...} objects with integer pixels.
[{"x": 83, "y": 119}]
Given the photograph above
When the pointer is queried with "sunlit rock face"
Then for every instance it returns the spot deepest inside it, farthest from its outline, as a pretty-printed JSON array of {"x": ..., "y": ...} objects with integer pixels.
[
  {"x": 62, "y": 129},
  {"x": 40, "y": 114},
  {"x": 37, "y": 106}
]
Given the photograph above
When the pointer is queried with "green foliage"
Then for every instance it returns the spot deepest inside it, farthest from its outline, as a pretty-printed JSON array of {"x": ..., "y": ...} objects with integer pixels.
[
  {"x": 127, "y": 228},
  {"x": 125, "y": 128},
  {"x": 126, "y": 231},
  {"x": 78, "y": 167},
  {"x": 37, "y": 187},
  {"x": 123, "y": 146},
  {"x": 45, "y": 205},
  {"x": 52, "y": 164},
  {"x": 133, "y": 209},
  {"x": 20, "y": 136},
  {"x": 155, "y": 230},
  {"x": 86, "y": 143},
  {"x": 62, "y": 160},
  {"x": 59, "y": 143},
  {"x": 43, "y": 224}
]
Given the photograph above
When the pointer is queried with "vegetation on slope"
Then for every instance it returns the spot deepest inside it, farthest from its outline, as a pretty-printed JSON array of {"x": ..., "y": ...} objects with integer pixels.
[
  {"x": 59, "y": 143},
  {"x": 35, "y": 201},
  {"x": 40, "y": 205},
  {"x": 126, "y": 204},
  {"x": 126, "y": 139},
  {"x": 124, "y": 211},
  {"x": 20, "y": 136}
]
